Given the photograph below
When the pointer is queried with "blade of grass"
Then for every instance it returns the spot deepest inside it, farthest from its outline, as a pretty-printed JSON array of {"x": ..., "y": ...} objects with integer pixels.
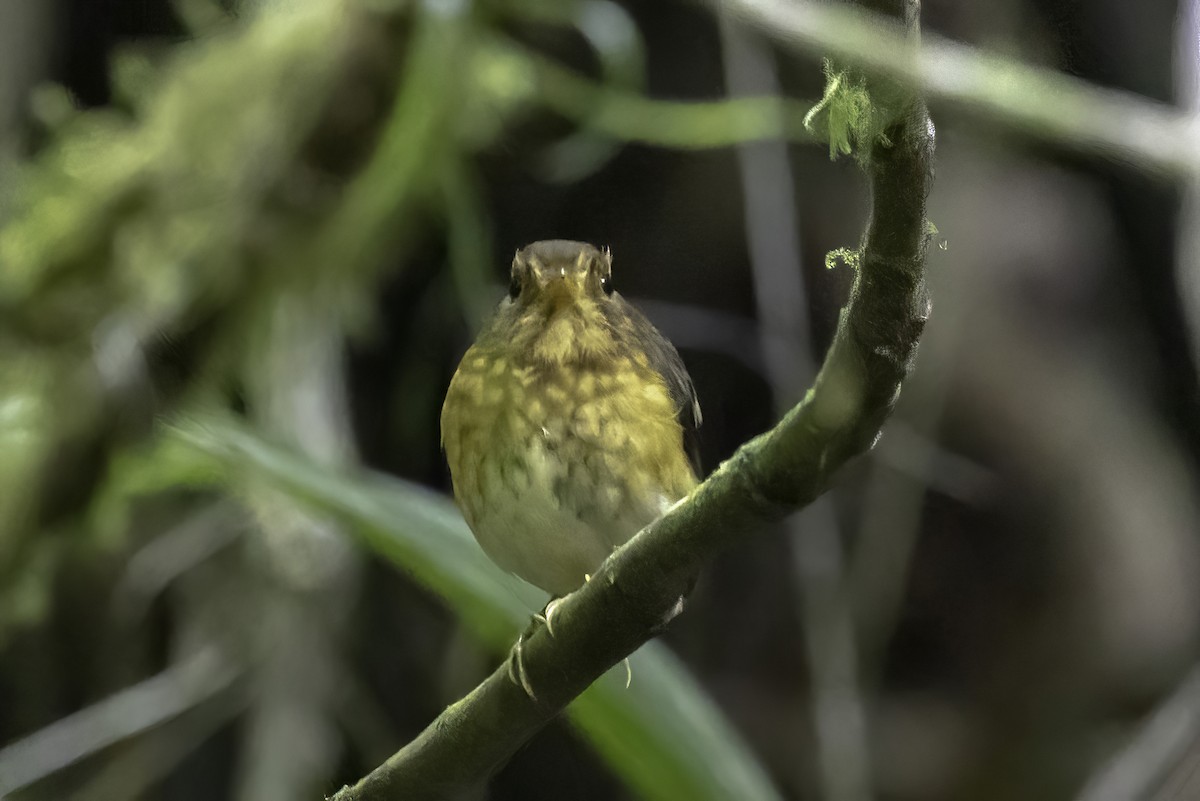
[{"x": 663, "y": 735}]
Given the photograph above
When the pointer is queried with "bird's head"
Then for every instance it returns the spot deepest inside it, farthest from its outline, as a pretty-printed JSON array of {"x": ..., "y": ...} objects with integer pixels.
[
  {"x": 561, "y": 304},
  {"x": 557, "y": 274}
]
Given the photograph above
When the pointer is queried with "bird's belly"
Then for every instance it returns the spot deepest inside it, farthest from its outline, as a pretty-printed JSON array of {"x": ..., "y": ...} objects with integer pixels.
[
  {"x": 554, "y": 471},
  {"x": 545, "y": 522}
]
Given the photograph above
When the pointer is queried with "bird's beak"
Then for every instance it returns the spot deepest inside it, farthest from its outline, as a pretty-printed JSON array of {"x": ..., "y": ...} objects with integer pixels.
[
  {"x": 561, "y": 286},
  {"x": 559, "y": 291}
]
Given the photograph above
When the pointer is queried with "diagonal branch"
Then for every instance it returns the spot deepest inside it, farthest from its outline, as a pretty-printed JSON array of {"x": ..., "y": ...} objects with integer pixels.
[{"x": 769, "y": 477}]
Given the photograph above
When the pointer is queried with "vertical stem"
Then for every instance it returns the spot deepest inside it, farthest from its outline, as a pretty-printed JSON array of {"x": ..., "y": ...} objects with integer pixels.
[{"x": 773, "y": 239}]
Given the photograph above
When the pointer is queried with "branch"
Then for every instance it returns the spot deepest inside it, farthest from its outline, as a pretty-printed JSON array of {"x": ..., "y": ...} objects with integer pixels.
[
  {"x": 663, "y": 735},
  {"x": 1041, "y": 103},
  {"x": 1036, "y": 102},
  {"x": 769, "y": 477},
  {"x": 815, "y": 544}
]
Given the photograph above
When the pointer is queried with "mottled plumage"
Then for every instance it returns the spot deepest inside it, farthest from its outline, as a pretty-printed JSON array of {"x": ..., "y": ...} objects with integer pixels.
[{"x": 568, "y": 424}]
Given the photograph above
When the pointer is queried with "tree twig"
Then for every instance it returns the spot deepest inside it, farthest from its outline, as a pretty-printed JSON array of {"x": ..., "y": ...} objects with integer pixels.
[
  {"x": 1134, "y": 771},
  {"x": 128, "y": 713},
  {"x": 769, "y": 477},
  {"x": 1042, "y": 103},
  {"x": 841, "y": 759}
]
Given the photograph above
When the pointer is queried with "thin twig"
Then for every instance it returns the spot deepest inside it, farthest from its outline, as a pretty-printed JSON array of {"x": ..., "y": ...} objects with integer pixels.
[
  {"x": 307, "y": 567},
  {"x": 773, "y": 239},
  {"x": 1042, "y": 103},
  {"x": 126, "y": 714},
  {"x": 1137, "y": 768}
]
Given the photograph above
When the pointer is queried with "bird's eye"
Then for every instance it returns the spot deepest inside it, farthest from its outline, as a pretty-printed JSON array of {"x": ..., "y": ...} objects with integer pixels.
[
  {"x": 606, "y": 285},
  {"x": 514, "y": 286}
]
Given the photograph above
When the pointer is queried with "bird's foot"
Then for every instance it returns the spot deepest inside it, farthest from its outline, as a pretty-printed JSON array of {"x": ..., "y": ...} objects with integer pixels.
[
  {"x": 547, "y": 615},
  {"x": 516, "y": 660}
]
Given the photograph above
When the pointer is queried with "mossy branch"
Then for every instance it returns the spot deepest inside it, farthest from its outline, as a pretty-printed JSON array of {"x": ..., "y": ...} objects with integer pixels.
[{"x": 768, "y": 478}]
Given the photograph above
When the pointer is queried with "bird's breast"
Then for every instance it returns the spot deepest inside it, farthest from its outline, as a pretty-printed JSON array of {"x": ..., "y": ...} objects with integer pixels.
[{"x": 554, "y": 467}]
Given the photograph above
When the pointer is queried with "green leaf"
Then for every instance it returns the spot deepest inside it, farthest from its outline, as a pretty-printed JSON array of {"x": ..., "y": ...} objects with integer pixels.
[{"x": 663, "y": 735}]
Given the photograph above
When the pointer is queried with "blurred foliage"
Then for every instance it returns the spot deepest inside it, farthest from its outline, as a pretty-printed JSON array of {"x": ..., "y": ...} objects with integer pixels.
[
  {"x": 297, "y": 154},
  {"x": 662, "y": 733},
  {"x": 171, "y": 224},
  {"x": 299, "y": 159},
  {"x": 134, "y": 228}
]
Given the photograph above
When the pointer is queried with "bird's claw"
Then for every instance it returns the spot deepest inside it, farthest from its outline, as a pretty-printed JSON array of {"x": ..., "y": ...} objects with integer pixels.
[
  {"x": 547, "y": 617},
  {"x": 516, "y": 669},
  {"x": 516, "y": 660}
]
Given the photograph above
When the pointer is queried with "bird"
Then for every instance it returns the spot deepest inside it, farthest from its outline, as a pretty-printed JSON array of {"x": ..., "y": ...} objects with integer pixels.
[{"x": 570, "y": 423}]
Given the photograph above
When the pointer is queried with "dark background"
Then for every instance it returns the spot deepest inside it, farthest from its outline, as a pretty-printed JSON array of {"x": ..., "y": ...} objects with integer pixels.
[{"x": 1031, "y": 505}]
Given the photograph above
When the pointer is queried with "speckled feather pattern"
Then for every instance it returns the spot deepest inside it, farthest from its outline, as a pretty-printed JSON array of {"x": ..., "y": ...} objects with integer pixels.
[{"x": 564, "y": 435}]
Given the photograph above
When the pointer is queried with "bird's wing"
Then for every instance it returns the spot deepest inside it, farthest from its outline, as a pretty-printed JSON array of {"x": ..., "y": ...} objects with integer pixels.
[{"x": 664, "y": 359}]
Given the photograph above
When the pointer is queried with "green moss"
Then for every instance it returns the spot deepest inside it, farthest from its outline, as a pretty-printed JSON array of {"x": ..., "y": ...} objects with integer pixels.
[
  {"x": 845, "y": 256},
  {"x": 848, "y": 117}
]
